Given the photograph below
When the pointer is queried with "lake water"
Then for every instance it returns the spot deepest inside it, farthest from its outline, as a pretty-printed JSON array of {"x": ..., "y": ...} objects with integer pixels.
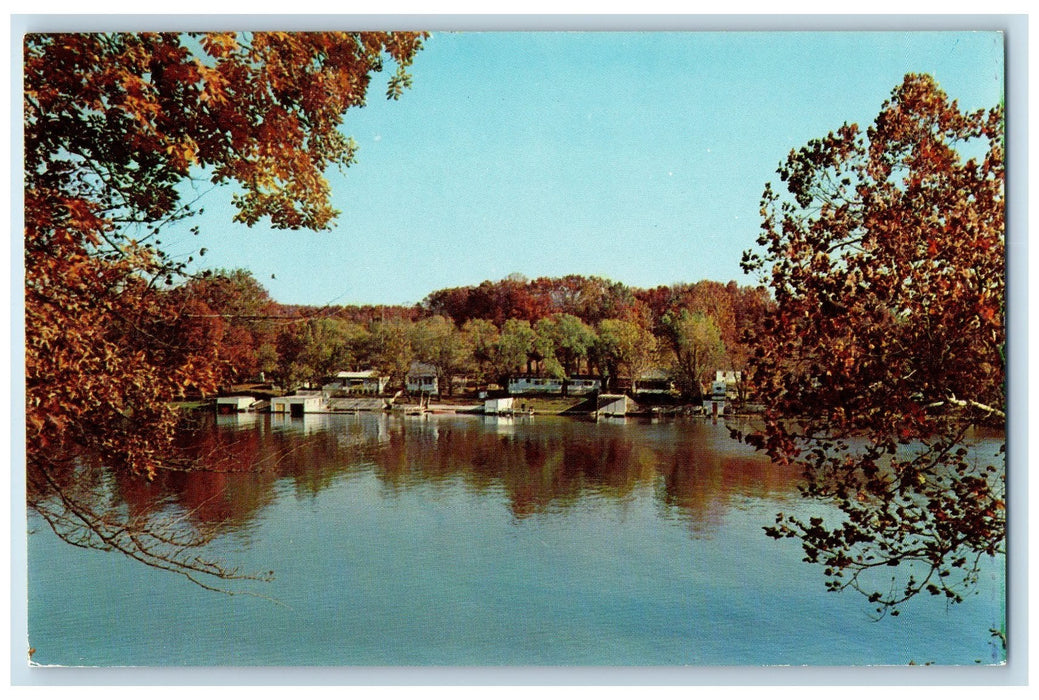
[{"x": 467, "y": 540}]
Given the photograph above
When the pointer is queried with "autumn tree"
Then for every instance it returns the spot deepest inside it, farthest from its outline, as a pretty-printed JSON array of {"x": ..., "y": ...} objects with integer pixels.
[
  {"x": 512, "y": 297},
  {"x": 750, "y": 307},
  {"x": 696, "y": 347},
  {"x": 514, "y": 349},
  {"x": 244, "y": 306},
  {"x": 563, "y": 341},
  {"x": 482, "y": 338},
  {"x": 625, "y": 346},
  {"x": 590, "y": 299},
  {"x": 114, "y": 126},
  {"x": 390, "y": 350},
  {"x": 885, "y": 254},
  {"x": 317, "y": 348},
  {"x": 438, "y": 343},
  {"x": 711, "y": 299}
]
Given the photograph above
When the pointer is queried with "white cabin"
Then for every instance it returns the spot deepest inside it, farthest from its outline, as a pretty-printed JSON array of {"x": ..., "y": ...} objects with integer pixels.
[
  {"x": 731, "y": 379},
  {"x": 552, "y": 385},
  {"x": 613, "y": 405},
  {"x": 298, "y": 405},
  {"x": 364, "y": 382},
  {"x": 422, "y": 379},
  {"x": 654, "y": 381},
  {"x": 498, "y": 406},
  {"x": 234, "y": 404},
  {"x": 719, "y": 390}
]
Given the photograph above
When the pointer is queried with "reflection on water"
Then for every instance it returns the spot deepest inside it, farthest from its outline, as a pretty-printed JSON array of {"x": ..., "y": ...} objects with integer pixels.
[
  {"x": 477, "y": 540},
  {"x": 540, "y": 464}
]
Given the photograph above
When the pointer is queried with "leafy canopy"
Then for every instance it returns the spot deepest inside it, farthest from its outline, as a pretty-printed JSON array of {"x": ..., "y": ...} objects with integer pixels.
[
  {"x": 885, "y": 255},
  {"x": 114, "y": 124}
]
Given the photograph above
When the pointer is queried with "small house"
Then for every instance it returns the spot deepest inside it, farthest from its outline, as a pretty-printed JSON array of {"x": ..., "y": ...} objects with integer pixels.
[
  {"x": 613, "y": 405},
  {"x": 654, "y": 381},
  {"x": 715, "y": 407},
  {"x": 363, "y": 382},
  {"x": 498, "y": 406},
  {"x": 298, "y": 405},
  {"x": 731, "y": 379},
  {"x": 583, "y": 385},
  {"x": 422, "y": 379},
  {"x": 234, "y": 404},
  {"x": 719, "y": 390},
  {"x": 575, "y": 386},
  {"x": 716, "y": 403},
  {"x": 535, "y": 385}
]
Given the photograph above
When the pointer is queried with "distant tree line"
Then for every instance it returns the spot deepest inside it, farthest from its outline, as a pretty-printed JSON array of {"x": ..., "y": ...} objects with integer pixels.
[{"x": 552, "y": 326}]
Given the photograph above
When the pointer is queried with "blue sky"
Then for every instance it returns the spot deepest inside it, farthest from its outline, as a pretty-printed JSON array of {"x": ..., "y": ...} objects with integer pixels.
[{"x": 639, "y": 157}]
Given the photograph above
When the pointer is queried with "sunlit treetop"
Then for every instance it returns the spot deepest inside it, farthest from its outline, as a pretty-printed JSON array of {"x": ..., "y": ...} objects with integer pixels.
[{"x": 119, "y": 119}]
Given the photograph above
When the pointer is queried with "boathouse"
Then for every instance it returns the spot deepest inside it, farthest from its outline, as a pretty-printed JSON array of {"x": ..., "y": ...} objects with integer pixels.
[
  {"x": 498, "y": 406},
  {"x": 613, "y": 405},
  {"x": 298, "y": 405},
  {"x": 234, "y": 404}
]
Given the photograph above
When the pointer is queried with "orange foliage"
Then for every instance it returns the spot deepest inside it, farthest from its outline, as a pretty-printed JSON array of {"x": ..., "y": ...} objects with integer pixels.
[
  {"x": 886, "y": 259},
  {"x": 113, "y": 124}
]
